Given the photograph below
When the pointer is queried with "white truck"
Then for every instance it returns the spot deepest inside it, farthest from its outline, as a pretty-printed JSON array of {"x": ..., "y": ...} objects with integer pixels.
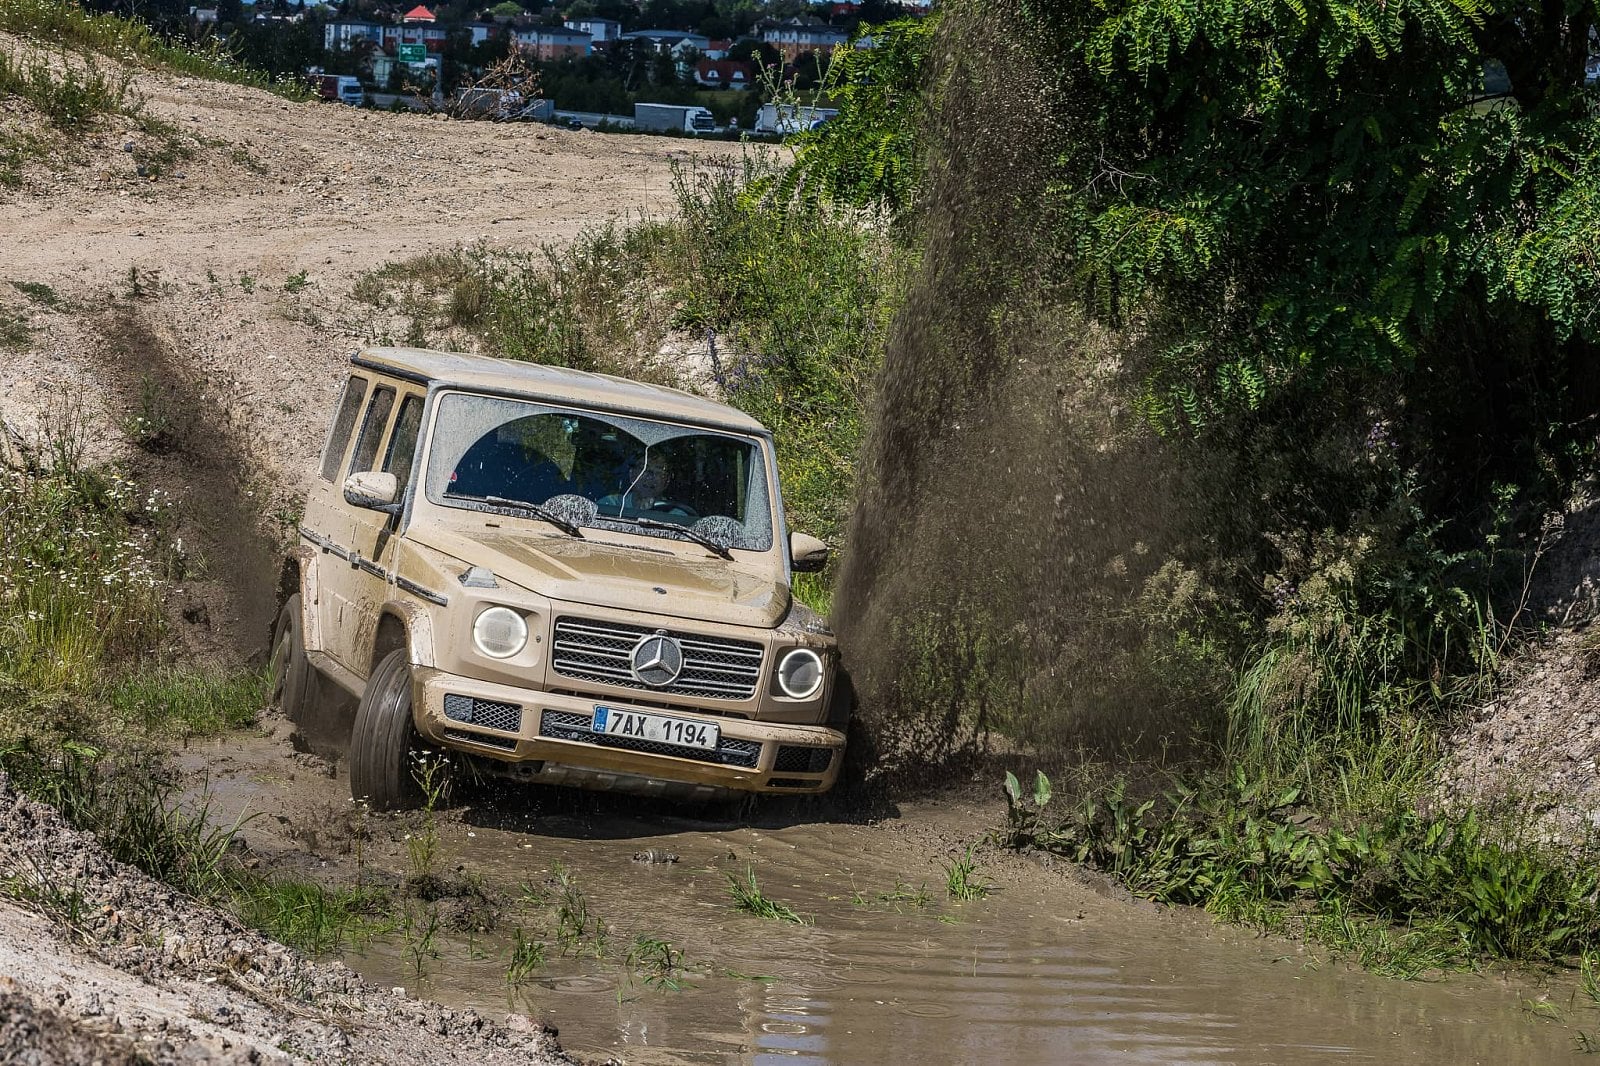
[
  {"x": 791, "y": 118},
  {"x": 678, "y": 118}
]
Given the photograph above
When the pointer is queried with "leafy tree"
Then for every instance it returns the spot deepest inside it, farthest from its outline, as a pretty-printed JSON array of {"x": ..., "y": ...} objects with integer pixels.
[
  {"x": 869, "y": 155},
  {"x": 1304, "y": 191}
]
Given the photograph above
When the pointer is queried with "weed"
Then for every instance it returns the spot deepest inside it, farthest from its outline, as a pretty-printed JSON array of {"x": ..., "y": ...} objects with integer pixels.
[
  {"x": 527, "y": 956},
  {"x": 150, "y": 426},
  {"x": 661, "y": 963},
  {"x": 61, "y": 903},
  {"x": 80, "y": 570},
  {"x": 431, "y": 771},
  {"x": 960, "y": 878},
  {"x": 187, "y": 701},
  {"x": 1589, "y": 976},
  {"x": 747, "y": 897},
  {"x": 69, "y": 95},
  {"x": 307, "y": 915},
  {"x": 296, "y": 282},
  {"x": 902, "y": 895},
  {"x": 1585, "y": 1044},
  {"x": 574, "y": 922},
  {"x": 38, "y": 292},
  {"x": 421, "y": 934},
  {"x": 14, "y": 330},
  {"x": 1253, "y": 853},
  {"x": 1542, "y": 1009},
  {"x": 247, "y": 283},
  {"x": 130, "y": 804}
]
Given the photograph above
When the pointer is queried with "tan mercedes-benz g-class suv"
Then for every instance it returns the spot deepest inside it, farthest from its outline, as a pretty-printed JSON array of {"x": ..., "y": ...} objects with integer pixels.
[{"x": 573, "y": 578}]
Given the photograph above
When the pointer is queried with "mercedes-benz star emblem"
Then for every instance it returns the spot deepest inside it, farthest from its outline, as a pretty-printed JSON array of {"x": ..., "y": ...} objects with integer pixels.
[{"x": 657, "y": 660}]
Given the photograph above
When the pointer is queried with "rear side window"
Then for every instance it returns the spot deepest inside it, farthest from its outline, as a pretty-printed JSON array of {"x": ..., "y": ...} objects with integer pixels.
[
  {"x": 355, "y": 390},
  {"x": 372, "y": 428},
  {"x": 403, "y": 441}
]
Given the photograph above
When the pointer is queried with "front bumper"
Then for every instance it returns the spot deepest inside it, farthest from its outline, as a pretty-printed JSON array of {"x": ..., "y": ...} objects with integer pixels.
[{"x": 547, "y": 737}]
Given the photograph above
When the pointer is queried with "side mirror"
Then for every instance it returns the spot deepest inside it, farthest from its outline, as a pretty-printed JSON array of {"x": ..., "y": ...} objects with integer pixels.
[
  {"x": 374, "y": 490},
  {"x": 808, "y": 554}
]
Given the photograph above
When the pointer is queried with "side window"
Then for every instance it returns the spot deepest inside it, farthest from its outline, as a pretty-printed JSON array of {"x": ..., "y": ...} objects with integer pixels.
[
  {"x": 372, "y": 428},
  {"x": 403, "y": 441},
  {"x": 355, "y": 390}
]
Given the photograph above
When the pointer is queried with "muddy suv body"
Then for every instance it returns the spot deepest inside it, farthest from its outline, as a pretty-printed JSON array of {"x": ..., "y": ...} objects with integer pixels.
[{"x": 572, "y": 577}]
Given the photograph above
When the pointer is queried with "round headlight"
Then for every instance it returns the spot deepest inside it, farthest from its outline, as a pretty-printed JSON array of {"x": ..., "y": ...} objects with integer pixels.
[
  {"x": 800, "y": 673},
  {"x": 500, "y": 633}
]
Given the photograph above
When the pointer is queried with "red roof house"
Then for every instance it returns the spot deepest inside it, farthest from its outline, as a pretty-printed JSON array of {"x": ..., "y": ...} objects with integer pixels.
[
  {"x": 419, "y": 14},
  {"x": 723, "y": 74}
]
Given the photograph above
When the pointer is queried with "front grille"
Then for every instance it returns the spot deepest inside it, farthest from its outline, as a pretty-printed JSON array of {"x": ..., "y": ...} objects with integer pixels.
[
  {"x": 797, "y": 760},
  {"x": 602, "y": 652},
  {"x": 486, "y": 713},
  {"x": 565, "y": 725},
  {"x": 789, "y": 782},
  {"x": 506, "y": 743}
]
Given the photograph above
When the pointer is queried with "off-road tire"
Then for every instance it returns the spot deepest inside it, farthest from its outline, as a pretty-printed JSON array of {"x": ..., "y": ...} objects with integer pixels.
[
  {"x": 384, "y": 740},
  {"x": 296, "y": 685}
]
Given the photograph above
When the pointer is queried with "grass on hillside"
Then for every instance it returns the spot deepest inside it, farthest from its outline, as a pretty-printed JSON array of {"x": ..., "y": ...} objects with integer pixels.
[{"x": 64, "y": 24}]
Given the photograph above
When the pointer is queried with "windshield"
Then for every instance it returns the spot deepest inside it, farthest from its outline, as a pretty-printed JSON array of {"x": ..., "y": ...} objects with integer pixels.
[{"x": 600, "y": 470}]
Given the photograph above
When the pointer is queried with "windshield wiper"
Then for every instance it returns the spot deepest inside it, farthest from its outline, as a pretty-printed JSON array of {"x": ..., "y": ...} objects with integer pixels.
[
  {"x": 537, "y": 510},
  {"x": 694, "y": 535}
]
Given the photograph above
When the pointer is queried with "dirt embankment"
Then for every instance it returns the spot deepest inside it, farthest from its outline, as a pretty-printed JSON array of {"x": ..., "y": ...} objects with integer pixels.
[{"x": 133, "y": 970}]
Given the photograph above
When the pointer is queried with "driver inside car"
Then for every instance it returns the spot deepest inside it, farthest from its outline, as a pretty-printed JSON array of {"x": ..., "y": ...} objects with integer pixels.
[{"x": 647, "y": 480}]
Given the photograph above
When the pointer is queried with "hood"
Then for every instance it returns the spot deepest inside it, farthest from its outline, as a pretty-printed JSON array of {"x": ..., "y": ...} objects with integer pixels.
[{"x": 601, "y": 570}]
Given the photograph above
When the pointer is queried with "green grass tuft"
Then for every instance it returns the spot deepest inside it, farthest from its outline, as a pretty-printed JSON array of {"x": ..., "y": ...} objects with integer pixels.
[{"x": 747, "y": 897}]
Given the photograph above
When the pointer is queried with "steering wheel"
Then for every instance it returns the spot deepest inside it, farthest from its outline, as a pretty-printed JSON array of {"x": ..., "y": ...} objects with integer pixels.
[{"x": 672, "y": 507}]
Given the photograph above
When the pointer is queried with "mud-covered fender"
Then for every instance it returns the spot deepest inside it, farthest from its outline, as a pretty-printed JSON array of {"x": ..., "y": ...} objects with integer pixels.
[
  {"x": 418, "y": 625},
  {"x": 305, "y": 558}
]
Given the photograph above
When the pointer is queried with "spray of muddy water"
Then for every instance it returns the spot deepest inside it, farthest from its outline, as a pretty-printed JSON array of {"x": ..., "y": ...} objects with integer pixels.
[{"x": 1011, "y": 554}]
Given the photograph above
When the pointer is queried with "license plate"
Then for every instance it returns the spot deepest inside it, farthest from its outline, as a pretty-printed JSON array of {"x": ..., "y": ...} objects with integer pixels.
[{"x": 656, "y": 727}]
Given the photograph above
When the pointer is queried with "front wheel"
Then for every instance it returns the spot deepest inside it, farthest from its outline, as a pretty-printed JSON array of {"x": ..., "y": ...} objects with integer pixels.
[{"x": 384, "y": 745}]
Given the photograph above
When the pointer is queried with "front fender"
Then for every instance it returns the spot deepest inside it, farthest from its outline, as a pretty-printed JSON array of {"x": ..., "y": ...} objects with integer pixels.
[{"x": 419, "y": 630}]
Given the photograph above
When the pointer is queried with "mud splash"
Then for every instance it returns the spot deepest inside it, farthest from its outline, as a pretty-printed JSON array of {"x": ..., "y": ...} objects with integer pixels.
[
  {"x": 1014, "y": 512},
  {"x": 1042, "y": 970}
]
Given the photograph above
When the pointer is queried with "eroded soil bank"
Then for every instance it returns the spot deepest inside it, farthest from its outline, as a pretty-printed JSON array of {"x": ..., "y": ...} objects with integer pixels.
[
  {"x": 125, "y": 968},
  {"x": 1049, "y": 966}
]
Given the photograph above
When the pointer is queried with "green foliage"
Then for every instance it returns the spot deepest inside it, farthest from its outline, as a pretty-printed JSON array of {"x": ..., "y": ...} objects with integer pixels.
[
  {"x": 961, "y": 880},
  {"x": 130, "y": 804},
  {"x": 69, "y": 95},
  {"x": 747, "y": 897},
  {"x": 81, "y": 562},
  {"x": 312, "y": 917},
  {"x": 870, "y": 155},
  {"x": 186, "y": 701},
  {"x": 1242, "y": 849},
  {"x": 527, "y": 957},
  {"x": 1316, "y": 189}
]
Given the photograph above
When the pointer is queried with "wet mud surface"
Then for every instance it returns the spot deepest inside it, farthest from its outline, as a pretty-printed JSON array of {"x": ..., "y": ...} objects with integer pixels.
[{"x": 1045, "y": 969}]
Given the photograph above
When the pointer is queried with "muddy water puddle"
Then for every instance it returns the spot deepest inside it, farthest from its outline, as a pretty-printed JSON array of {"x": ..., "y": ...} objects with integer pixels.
[{"x": 1040, "y": 971}]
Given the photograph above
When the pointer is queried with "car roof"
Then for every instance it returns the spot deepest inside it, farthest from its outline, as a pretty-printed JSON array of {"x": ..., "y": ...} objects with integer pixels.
[{"x": 557, "y": 384}]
